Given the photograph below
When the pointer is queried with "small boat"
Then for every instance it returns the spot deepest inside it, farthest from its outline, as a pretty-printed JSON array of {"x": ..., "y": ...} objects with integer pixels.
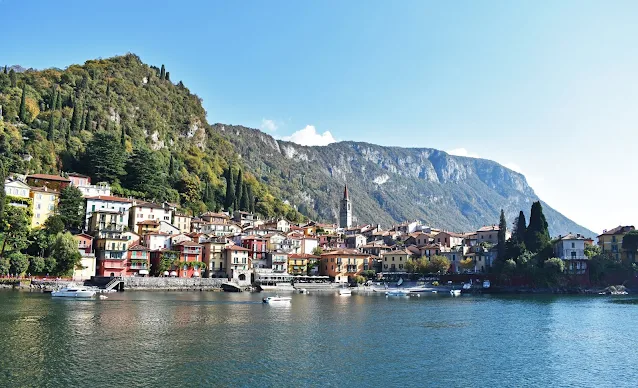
[
  {"x": 277, "y": 299},
  {"x": 345, "y": 291},
  {"x": 455, "y": 292},
  {"x": 74, "y": 293},
  {"x": 103, "y": 297},
  {"x": 397, "y": 293},
  {"x": 302, "y": 291}
]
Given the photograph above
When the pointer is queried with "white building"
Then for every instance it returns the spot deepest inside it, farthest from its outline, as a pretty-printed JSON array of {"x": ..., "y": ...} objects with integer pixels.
[
  {"x": 17, "y": 189},
  {"x": 147, "y": 211},
  {"x": 107, "y": 202},
  {"x": 571, "y": 249}
]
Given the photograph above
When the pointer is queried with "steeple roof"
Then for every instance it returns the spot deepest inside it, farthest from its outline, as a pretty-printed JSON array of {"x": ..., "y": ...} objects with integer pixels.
[{"x": 345, "y": 191}]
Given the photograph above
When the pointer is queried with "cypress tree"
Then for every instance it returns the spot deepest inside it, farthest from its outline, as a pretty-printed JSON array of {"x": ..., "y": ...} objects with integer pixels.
[
  {"x": 230, "y": 192},
  {"x": 58, "y": 101},
  {"x": 245, "y": 204},
  {"x": 50, "y": 131},
  {"x": 537, "y": 234},
  {"x": 171, "y": 167},
  {"x": 162, "y": 72},
  {"x": 251, "y": 198},
  {"x": 13, "y": 77},
  {"x": 238, "y": 189},
  {"x": 2, "y": 193},
  {"x": 87, "y": 121},
  {"x": 23, "y": 105},
  {"x": 502, "y": 229},
  {"x": 521, "y": 228},
  {"x": 75, "y": 117},
  {"x": 167, "y": 76},
  {"x": 83, "y": 119},
  {"x": 54, "y": 95},
  {"x": 5, "y": 70},
  {"x": 67, "y": 141},
  {"x": 123, "y": 138}
]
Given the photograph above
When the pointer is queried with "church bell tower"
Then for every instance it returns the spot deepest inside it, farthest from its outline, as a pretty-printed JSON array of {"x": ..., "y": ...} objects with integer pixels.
[{"x": 345, "y": 211}]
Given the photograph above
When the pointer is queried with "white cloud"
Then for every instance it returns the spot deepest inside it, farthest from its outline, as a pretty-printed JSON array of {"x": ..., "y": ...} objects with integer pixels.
[
  {"x": 462, "y": 152},
  {"x": 310, "y": 137},
  {"x": 269, "y": 125}
]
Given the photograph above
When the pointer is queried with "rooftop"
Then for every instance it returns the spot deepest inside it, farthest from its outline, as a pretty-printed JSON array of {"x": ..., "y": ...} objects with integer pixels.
[
  {"x": 111, "y": 198},
  {"x": 618, "y": 230},
  {"x": 49, "y": 177}
]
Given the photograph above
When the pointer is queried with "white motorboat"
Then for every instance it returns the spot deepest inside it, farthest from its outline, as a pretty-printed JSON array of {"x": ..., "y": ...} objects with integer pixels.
[
  {"x": 455, "y": 292},
  {"x": 345, "y": 291},
  {"x": 277, "y": 299},
  {"x": 397, "y": 293},
  {"x": 302, "y": 290},
  {"x": 70, "y": 292}
]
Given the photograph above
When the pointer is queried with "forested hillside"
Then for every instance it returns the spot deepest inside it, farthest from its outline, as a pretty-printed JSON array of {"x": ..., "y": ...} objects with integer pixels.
[{"x": 127, "y": 123}]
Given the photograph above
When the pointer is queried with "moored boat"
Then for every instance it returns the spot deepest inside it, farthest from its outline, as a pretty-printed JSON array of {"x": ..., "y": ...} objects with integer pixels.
[
  {"x": 397, "y": 293},
  {"x": 345, "y": 291},
  {"x": 70, "y": 292},
  {"x": 455, "y": 292}
]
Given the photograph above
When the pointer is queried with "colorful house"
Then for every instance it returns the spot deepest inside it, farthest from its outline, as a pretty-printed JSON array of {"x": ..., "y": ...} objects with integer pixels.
[
  {"x": 611, "y": 241},
  {"x": 44, "y": 202},
  {"x": 189, "y": 253},
  {"x": 18, "y": 193},
  {"x": 213, "y": 257},
  {"x": 147, "y": 226},
  {"x": 53, "y": 182},
  {"x": 342, "y": 265},
  {"x": 110, "y": 250},
  {"x": 182, "y": 222},
  {"x": 277, "y": 261},
  {"x": 85, "y": 243},
  {"x": 237, "y": 263},
  {"x": 107, "y": 202},
  {"x": 298, "y": 263},
  {"x": 394, "y": 261},
  {"x": 571, "y": 249},
  {"x": 148, "y": 211},
  {"x": 257, "y": 247},
  {"x": 107, "y": 220},
  {"x": 138, "y": 261}
]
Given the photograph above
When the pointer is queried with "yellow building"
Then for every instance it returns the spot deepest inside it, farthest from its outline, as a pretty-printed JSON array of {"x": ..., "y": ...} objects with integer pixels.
[
  {"x": 611, "y": 241},
  {"x": 148, "y": 226},
  {"x": 298, "y": 263},
  {"x": 44, "y": 202},
  {"x": 342, "y": 264},
  {"x": 394, "y": 261}
]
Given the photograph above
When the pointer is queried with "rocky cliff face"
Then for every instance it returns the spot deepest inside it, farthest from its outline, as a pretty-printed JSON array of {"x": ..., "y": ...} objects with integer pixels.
[{"x": 390, "y": 184}]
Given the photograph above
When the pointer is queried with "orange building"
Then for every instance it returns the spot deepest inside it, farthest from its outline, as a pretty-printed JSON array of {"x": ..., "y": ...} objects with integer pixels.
[
  {"x": 189, "y": 252},
  {"x": 343, "y": 264}
]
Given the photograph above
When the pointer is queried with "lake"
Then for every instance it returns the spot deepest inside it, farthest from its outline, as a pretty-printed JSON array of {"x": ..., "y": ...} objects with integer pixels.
[{"x": 190, "y": 339}]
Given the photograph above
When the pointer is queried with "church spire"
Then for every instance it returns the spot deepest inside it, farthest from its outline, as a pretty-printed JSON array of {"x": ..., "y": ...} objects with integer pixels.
[{"x": 345, "y": 191}]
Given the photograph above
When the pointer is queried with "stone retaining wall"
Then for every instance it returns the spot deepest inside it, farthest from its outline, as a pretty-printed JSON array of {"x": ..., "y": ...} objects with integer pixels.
[{"x": 140, "y": 283}]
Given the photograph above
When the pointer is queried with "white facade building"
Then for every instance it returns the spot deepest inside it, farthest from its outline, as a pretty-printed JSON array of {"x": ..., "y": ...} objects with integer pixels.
[{"x": 104, "y": 202}]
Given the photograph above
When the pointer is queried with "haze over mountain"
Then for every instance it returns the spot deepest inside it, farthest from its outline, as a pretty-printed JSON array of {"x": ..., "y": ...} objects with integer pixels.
[{"x": 390, "y": 184}]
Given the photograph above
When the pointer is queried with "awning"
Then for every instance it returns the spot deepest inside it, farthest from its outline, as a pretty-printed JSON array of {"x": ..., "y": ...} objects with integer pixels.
[
  {"x": 165, "y": 273},
  {"x": 143, "y": 272},
  {"x": 173, "y": 273}
]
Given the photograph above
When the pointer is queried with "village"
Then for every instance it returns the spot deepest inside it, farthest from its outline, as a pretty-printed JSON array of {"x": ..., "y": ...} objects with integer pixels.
[{"x": 126, "y": 237}]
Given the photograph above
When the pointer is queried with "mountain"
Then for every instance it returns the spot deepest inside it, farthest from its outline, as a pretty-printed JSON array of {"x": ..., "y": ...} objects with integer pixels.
[
  {"x": 389, "y": 185},
  {"x": 128, "y": 123}
]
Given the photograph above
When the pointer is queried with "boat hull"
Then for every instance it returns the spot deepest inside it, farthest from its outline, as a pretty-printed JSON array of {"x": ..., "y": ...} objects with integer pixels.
[{"x": 73, "y": 294}]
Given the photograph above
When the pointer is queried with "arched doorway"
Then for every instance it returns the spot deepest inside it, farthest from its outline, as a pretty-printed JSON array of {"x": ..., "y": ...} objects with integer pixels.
[{"x": 242, "y": 277}]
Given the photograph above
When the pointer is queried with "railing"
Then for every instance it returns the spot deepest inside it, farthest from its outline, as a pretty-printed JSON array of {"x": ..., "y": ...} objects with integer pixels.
[{"x": 113, "y": 283}]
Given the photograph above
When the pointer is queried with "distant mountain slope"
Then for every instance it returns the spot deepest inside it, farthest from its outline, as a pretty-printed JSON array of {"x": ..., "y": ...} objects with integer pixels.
[{"x": 390, "y": 184}]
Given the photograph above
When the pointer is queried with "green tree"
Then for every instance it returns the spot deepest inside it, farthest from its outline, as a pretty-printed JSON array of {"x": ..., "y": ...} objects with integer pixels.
[
  {"x": 630, "y": 245},
  {"x": 3, "y": 194},
  {"x": 14, "y": 228},
  {"x": 54, "y": 225},
  {"x": 167, "y": 76},
  {"x": 65, "y": 250},
  {"x": 502, "y": 230},
  {"x": 537, "y": 234},
  {"x": 553, "y": 269},
  {"x": 123, "y": 138},
  {"x": 71, "y": 208},
  {"x": 23, "y": 105},
  {"x": 245, "y": 204},
  {"x": 105, "y": 160},
  {"x": 251, "y": 198},
  {"x": 51, "y": 126},
  {"x": 162, "y": 72},
  {"x": 439, "y": 264},
  {"x": 75, "y": 117},
  {"x": 50, "y": 265},
  {"x": 592, "y": 250},
  {"x": 189, "y": 189},
  {"x": 521, "y": 228},
  {"x": 144, "y": 173},
  {"x": 36, "y": 265},
  {"x": 13, "y": 77},
  {"x": 54, "y": 95},
  {"x": 230, "y": 192},
  {"x": 58, "y": 101},
  {"x": 19, "y": 263},
  {"x": 87, "y": 121},
  {"x": 4, "y": 266},
  {"x": 238, "y": 190}
]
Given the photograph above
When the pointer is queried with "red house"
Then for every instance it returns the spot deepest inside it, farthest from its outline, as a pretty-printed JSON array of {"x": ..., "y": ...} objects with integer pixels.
[
  {"x": 189, "y": 252},
  {"x": 85, "y": 243},
  {"x": 138, "y": 261},
  {"x": 256, "y": 247}
]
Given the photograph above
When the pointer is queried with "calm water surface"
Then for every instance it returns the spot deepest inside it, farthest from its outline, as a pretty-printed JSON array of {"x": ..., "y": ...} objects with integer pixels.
[{"x": 174, "y": 339}]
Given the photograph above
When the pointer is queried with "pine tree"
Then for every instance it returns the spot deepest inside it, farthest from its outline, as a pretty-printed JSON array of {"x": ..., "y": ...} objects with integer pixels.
[
  {"x": 104, "y": 158},
  {"x": 502, "y": 230},
  {"x": 521, "y": 228},
  {"x": 87, "y": 121},
  {"x": 50, "y": 131},
  {"x": 14, "y": 78},
  {"x": 162, "y": 72},
  {"x": 238, "y": 190},
  {"x": 230, "y": 192},
  {"x": 23, "y": 105},
  {"x": 537, "y": 234}
]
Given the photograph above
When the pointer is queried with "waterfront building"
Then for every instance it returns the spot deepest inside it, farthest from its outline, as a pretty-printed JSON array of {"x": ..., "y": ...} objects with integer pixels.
[
  {"x": 256, "y": 245},
  {"x": 44, "y": 201},
  {"x": 571, "y": 249},
  {"x": 345, "y": 210},
  {"x": 85, "y": 243},
  {"x": 138, "y": 261},
  {"x": 611, "y": 241},
  {"x": 394, "y": 261},
  {"x": 110, "y": 249},
  {"x": 237, "y": 263},
  {"x": 277, "y": 261},
  {"x": 107, "y": 202},
  {"x": 189, "y": 252},
  {"x": 343, "y": 264},
  {"x": 298, "y": 263},
  {"x": 214, "y": 258}
]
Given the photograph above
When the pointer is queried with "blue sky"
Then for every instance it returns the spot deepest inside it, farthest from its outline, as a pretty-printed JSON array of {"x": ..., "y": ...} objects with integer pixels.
[{"x": 549, "y": 88}]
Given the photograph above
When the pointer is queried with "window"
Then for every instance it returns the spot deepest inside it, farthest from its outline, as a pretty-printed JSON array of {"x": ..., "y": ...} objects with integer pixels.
[
  {"x": 37, "y": 215},
  {"x": 613, "y": 238},
  {"x": 38, "y": 206},
  {"x": 574, "y": 255},
  {"x": 573, "y": 245},
  {"x": 92, "y": 208}
]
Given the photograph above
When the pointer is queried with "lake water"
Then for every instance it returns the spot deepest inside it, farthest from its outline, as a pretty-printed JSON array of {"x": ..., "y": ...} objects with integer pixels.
[{"x": 180, "y": 339}]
